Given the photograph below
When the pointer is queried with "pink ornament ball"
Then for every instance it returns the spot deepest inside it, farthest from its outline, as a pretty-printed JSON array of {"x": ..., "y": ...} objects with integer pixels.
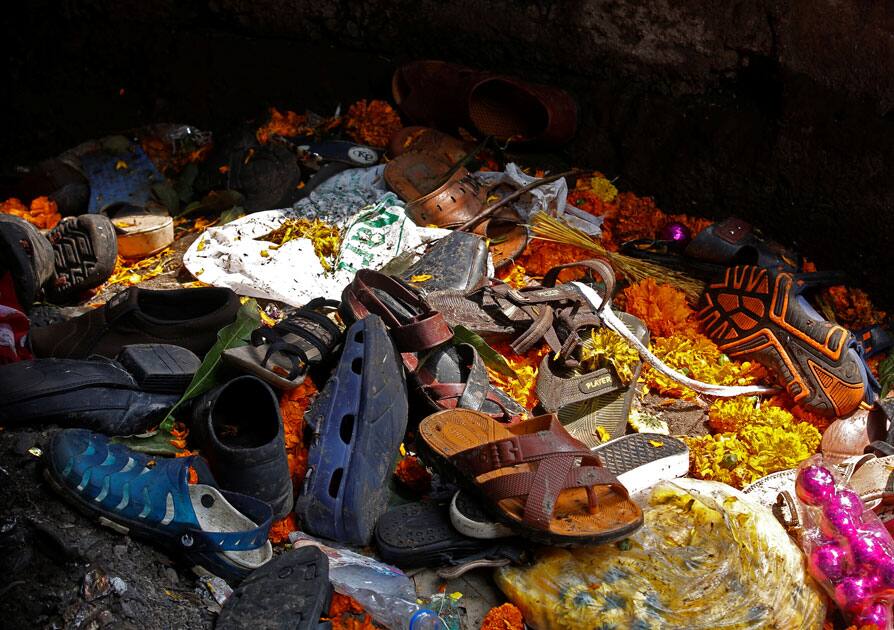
[
  {"x": 853, "y": 593},
  {"x": 839, "y": 523},
  {"x": 847, "y": 501},
  {"x": 868, "y": 550},
  {"x": 877, "y": 614},
  {"x": 814, "y": 485},
  {"x": 677, "y": 234},
  {"x": 830, "y": 562}
]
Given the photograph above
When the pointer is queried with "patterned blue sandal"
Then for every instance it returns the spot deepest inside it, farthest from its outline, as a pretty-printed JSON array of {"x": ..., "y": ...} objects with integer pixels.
[{"x": 151, "y": 498}]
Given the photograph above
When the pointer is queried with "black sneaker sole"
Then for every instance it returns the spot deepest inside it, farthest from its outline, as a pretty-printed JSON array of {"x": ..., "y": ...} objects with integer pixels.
[{"x": 84, "y": 253}]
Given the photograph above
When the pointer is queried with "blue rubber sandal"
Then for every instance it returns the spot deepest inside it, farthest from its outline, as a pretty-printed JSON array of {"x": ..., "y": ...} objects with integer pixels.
[
  {"x": 151, "y": 498},
  {"x": 358, "y": 421}
]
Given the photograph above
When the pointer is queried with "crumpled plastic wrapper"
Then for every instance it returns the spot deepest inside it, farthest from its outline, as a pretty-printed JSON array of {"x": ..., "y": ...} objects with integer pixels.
[
  {"x": 231, "y": 255},
  {"x": 706, "y": 558},
  {"x": 337, "y": 199},
  {"x": 550, "y": 198}
]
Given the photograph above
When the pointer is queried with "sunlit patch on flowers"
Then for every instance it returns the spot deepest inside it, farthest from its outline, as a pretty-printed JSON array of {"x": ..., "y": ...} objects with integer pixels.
[
  {"x": 521, "y": 388},
  {"x": 663, "y": 308},
  {"x": 606, "y": 347},
  {"x": 326, "y": 238}
]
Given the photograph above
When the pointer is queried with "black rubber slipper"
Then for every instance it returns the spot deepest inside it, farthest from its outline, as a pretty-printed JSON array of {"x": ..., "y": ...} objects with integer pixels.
[
  {"x": 84, "y": 252},
  {"x": 291, "y": 592},
  {"x": 420, "y": 535}
]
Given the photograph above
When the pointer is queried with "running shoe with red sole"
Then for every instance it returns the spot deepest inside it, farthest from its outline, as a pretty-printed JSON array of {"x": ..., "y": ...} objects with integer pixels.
[{"x": 759, "y": 314}]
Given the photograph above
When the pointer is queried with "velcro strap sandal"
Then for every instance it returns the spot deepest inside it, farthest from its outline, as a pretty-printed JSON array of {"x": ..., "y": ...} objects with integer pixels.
[
  {"x": 533, "y": 476},
  {"x": 153, "y": 499},
  {"x": 281, "y": 355}
]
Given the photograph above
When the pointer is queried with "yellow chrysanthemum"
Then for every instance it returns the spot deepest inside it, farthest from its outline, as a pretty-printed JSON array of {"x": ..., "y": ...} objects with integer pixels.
[
  {"x": 326, "y": 238},
  {"x": 606, "y": 346}
]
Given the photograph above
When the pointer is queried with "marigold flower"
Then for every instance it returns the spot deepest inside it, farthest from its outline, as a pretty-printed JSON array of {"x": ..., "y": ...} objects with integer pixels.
[
  {"x": 505, "y": 617},
  {"x": 43, "y": 212},
  {"x": 372, "y": 122},
  {"x": 663, "y": 308},
  {"x": 413, "y": 474},
  {"x": 288, "y": 125}
]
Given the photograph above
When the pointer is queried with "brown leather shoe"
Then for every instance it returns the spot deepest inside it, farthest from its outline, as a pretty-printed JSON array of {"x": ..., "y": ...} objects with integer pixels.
[
  {"x": 189, "y": 318},
  {"x": 449, "y": 96}
]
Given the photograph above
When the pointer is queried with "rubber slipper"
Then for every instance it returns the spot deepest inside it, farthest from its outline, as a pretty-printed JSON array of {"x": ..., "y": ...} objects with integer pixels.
[
  {"x": 84, "y": 255},
  {"x": 283, "y": 354},
  {"x": 420, "y": 535},
  {"x": 760, "y": 314},
  {"x": 421, "y": 179},
  {"x": 533, "y": 476},
  {"x": 428, "y": 140},
  {"x": 450, "y": 96},
  {"x": 585, "y": 402},
  {"x": 153, "y": 499},
  {"x": 123, "y": 397},
  {"x": 238, "y": 429},
  {"x": 358, "y": 422},
  {"x": 454, "y": 377},
  {"x": 638, "y": 460},
  {"x": 413, "y": 324},
  {"x": 291, "y": 592}
]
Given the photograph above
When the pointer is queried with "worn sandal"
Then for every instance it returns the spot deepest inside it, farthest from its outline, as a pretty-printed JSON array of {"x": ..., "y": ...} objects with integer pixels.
[
  {"x": 415, "y": 176},
  {"x": 639, "y": 460},
  {"x": 584, "y": 402},
  {"x": 760, "y": 314},
  {"x": 532, "y": 475},
  {"x": 281, "y": 355},
  {"x": 152, "y": 498},
  {"x": 454, "y": 376},
  {"x": 290, "y": 592},
  {"x": 358, "y": 422},
  {"x": 413, "y": 324},
  {"x": 552, "y": 313}
]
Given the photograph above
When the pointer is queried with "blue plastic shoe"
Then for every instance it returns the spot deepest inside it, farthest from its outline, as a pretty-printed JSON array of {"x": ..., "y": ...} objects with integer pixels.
[
  {"x": 152, "y": 498},
  {"x": 359, "y": 421}
]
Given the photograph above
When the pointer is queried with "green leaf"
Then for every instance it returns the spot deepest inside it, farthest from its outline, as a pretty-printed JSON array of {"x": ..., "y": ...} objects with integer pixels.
[
  {"x": 492, "y": 359},
  {"x": 886, "y": 375},
  {"x": 184, "y": 184},
  {"x": 152, "y": 443},
  {"x": 232, "y": 336},
  {"x": 168, "y": 197}
]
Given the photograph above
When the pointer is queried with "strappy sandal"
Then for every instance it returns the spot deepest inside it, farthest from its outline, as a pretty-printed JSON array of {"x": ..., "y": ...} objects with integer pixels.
[
  {"x": 416, "y": 175},
  {"x": 283, "y": 354},
  {"x": 552, "y": 313},
  {"x": 585, "y": 402},
  {"x": 454, "y": 377},
  {"x": 532, "y": 475},
  {"x": 153, "y": 499},
  {"x": 413, "y": 324}
]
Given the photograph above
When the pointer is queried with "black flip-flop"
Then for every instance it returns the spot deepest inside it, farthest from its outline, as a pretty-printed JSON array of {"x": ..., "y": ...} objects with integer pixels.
[
  {"x": 85, "y": 249},
  {"x": 420, "y": 535},
  {"x": 291, "y": 592}
]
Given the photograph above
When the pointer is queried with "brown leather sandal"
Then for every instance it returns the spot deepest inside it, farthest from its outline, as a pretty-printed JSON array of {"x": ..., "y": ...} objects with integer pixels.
[
  {"x": 413, "y": 325},
  {"x": 533, "y": 476},
  {"x": 415, "y": 177},
  {"x": 553, "y": 313},
  {"x": 454, "y": 377}
]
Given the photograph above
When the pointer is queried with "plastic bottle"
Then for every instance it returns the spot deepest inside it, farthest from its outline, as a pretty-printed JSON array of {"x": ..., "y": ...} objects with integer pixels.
[
  {"x": 385, "y": 592},
  {"x": 425, "y": 619}
]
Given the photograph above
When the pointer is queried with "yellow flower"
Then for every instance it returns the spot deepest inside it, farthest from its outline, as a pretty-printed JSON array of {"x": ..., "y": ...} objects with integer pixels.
[
  {"x": 326, "y": 238},
  {"x": 607, "y": 346},
  {"x": 697, "y": 357}
]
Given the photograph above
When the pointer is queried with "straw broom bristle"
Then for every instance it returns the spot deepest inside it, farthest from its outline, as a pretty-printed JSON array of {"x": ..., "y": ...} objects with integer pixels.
[{"x": 551, "y": 228}]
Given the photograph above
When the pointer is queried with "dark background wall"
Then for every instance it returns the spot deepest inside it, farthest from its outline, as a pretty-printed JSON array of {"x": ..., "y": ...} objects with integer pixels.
[{"x": 781, "y": 112}]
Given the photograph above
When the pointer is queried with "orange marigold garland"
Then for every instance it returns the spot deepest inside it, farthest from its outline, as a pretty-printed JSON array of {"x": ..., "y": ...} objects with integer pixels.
[
  {"x": 346, "y": 613},
  {"x": 540, "y": 256},
  {"x": 42, "y": 213},
  {"x": 521, "y": 388},
  {"x": 853, "y": 308},
  {"x": 372, "y": 122},
  {"x": 293, "y": 404},
  {"x": 287, "y": 125},
  {"x": 663, "y": 308},
  {"x": 505, "y": 617}
]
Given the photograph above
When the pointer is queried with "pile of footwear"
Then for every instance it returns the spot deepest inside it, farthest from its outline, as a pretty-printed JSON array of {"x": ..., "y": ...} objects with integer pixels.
[{"x": 473, "y": 387}]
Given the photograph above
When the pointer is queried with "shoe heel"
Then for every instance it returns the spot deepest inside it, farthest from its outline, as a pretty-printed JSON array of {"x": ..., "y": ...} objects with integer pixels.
[{"x": 160, "y": 368}]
